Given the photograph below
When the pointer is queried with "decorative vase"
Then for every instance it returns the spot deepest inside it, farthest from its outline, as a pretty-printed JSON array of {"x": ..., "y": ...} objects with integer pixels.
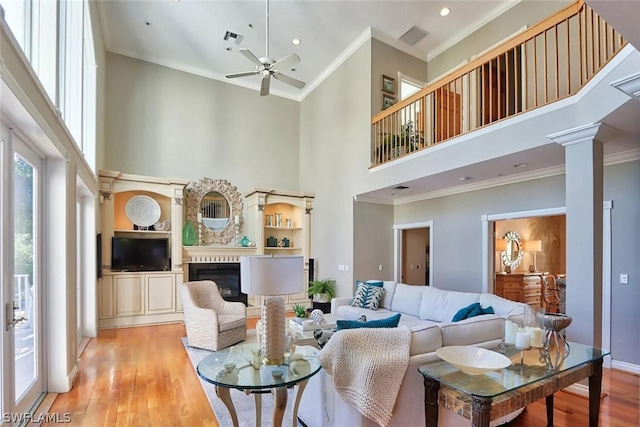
[
  {"x": 189, "y": 235},
  {"x": 245, "y": 242}
]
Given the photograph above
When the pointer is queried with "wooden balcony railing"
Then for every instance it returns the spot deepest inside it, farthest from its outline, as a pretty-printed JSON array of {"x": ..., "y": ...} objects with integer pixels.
[{"x": 546, "y": 63}]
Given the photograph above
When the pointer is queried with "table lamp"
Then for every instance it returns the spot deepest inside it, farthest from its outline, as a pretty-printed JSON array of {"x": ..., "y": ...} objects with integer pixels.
[
  {"x": 501, "y": 246},
  {"x": 272, "y": 277},
  {"x": 534, "y": 246}
]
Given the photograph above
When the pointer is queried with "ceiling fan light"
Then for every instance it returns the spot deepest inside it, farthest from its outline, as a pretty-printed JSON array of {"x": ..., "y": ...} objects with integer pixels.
[{"x": 296, "y": 42}]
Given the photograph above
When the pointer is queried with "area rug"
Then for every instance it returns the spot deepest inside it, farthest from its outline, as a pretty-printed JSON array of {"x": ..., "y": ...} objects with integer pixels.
[{"x": 244, "y": 404}]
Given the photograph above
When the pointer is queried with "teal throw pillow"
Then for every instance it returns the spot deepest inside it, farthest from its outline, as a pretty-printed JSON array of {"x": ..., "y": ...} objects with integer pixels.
[
  {"x": 472, "y": 310},
  {"x": 389, "y": 322},
  {"x": 367, "y": 296},
  {"x": 378, "y": 283}
]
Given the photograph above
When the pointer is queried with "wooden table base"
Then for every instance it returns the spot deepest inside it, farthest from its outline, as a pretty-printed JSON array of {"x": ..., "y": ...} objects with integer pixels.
[{"x": 482, "y": 410}]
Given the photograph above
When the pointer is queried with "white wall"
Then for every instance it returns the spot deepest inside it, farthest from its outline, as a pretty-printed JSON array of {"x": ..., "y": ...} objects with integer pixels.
[
  {"x": 334, "y": 142},
  {"x": 163, "y": 122},
  {"x": 457, "y": 237}
]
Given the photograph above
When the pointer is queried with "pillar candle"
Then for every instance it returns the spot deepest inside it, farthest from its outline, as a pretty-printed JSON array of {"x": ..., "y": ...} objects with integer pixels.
[
  {"x": 523, "y": 339},
  {"x": 199, "y": 217},
  {"x": 237, "y": 219},
  {"x": 510, "y": 330},
  {"x": 536, "y": 336}
]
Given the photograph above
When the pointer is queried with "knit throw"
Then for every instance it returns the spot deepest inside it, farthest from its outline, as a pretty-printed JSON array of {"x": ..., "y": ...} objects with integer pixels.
[{"x": 368, "y": 366}]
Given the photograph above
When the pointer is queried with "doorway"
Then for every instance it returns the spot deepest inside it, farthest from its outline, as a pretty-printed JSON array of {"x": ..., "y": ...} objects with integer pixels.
[
  {"x": 413, "y": 245},
  {"x": 21, "y": 269}
]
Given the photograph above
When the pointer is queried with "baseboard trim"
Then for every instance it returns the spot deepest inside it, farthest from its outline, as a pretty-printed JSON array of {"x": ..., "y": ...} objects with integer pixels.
[{"x": 624, "y": 366}]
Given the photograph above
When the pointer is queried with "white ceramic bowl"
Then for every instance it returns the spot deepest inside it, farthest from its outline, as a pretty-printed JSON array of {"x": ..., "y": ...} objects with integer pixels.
[{"x": 473, "y": 360}]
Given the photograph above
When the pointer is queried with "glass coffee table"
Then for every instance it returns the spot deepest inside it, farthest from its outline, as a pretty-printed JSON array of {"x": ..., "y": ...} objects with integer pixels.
[
  {"x": 486, "y": 397},
  {"x": 239, "y": 367}
]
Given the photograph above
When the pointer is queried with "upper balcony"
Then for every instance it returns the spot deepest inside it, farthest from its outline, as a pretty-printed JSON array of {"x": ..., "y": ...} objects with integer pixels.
[{"x": 550, "y": 61}]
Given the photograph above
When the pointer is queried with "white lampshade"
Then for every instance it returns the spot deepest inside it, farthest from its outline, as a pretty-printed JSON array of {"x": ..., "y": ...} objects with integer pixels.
[
  {"x": 269, "y": 275},
  {"x": 501, "y": 245},
  {"x": 533, "y": 245},
  {"x": 273, "y": 277}
]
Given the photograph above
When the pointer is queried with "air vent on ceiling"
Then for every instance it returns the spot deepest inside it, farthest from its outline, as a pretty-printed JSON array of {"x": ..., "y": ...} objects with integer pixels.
[
  {"x": 237, "y": 38},
  {"x": 413, "y": 35},
  {"x": 399, "y": 187}
]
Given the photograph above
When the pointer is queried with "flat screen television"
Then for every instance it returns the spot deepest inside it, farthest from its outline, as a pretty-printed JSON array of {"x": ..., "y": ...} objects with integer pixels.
[{"x": 140, "y": 254}]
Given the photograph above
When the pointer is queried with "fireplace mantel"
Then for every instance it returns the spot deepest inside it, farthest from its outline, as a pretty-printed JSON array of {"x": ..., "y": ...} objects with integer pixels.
[{"x": 209, "y": 254}]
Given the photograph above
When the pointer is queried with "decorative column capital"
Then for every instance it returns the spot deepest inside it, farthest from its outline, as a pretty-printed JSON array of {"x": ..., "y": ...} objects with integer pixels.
[
  {"x": 629, "y": 85},
  {"x": 585, "y": 133},
  {"x": 261, "y": 208},
  {"x": 178, "y": 200},
  {"x": 106, "y": 195},
  {"x": 307, "y": 211}
]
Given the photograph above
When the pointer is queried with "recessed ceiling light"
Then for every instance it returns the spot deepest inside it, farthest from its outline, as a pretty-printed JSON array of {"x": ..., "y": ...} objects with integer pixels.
[
  {"x": 520, "y": 165},
  {"x": 445, "y": 11},
  {"x": 464, "y": 178},
  {"x": 296, "y": 41},
  {"x": 176, "y": 1}
]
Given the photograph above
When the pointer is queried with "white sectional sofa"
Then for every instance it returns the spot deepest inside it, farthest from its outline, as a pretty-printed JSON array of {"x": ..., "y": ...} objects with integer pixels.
[{"x": 428, "y": 312}]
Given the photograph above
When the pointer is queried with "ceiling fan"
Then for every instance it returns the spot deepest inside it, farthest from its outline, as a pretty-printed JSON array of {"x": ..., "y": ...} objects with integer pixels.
[{"x": 267, "y": 67}]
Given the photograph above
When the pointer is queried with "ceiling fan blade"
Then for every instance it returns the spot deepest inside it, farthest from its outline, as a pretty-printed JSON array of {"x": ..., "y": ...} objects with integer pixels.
[
  {"x": 289, "y": 80},
  {"x": 251, "y": 56},
  {"x": 286, "y": 62},
  {"x": 248, "y": 73},
  {"x": 264, "y": 86}
]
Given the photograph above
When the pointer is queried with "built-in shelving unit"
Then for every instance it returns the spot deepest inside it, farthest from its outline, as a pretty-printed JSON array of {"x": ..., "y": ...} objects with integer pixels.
[
  {"x": 128, "y": 298},
  {"x": 293, "y": 209}
]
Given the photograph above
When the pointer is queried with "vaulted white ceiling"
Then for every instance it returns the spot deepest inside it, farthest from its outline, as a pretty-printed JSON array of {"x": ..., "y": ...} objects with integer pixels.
[{"x": 189, "y": 34}]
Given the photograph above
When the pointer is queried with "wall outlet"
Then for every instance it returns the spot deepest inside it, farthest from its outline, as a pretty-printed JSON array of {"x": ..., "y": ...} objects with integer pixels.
[
  {"x": 380, "y": 267},
  {"x": 624, "y": 279},
  {"x": 341, "y": 267}
]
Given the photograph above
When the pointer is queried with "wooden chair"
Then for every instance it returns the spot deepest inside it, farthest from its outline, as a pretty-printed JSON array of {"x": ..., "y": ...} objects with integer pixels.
[
  {"x": 550, "y": 294},
  {"x": 211, "y": 322}
]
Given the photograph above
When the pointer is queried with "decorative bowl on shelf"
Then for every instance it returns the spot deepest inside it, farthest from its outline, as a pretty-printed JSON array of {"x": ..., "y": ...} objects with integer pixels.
[{"x": 473, "y": 360}]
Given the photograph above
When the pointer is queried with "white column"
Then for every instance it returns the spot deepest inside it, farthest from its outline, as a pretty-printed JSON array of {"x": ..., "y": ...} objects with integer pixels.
[{"x": 584, "y": 198}]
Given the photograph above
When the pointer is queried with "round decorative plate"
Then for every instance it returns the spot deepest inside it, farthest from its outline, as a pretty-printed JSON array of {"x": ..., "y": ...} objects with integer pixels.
[{"x": 143, "y": 211}]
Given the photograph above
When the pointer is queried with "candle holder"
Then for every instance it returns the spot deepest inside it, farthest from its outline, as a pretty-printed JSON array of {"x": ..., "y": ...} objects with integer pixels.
[
  {"x": 199, "y": 233},
  {"x": 237, "y": 231},
  {"x": 556, "y": 348}
]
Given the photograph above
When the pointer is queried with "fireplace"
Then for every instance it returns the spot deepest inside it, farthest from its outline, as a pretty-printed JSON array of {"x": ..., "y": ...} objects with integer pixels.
[{"x": 225, "y": 274}]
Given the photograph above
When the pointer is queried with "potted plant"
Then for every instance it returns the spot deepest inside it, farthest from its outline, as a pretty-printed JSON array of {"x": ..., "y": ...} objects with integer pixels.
[
  {"x": 322, "y": 290},
  {"x": 300, "y": 311},
  {"x": 408, "y": 141}
]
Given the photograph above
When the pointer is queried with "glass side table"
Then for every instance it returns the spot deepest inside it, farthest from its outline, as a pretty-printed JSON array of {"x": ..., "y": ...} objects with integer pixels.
[
  {"x": 239, "y": 367},
  {"x": 488, "y": 396}
]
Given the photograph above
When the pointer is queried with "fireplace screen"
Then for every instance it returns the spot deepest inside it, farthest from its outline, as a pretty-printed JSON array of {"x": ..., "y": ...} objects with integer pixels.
[{"x": 225, "y": 274}]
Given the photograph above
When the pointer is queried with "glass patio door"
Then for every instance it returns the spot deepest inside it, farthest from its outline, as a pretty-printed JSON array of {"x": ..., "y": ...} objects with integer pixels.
[{"x": 22, "y": 382}]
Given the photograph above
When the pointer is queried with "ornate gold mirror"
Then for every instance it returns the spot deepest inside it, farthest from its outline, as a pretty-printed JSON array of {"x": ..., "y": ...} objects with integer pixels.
[
  {"x": 214, "y": 203},
  {"x": 512, "y": 256}
]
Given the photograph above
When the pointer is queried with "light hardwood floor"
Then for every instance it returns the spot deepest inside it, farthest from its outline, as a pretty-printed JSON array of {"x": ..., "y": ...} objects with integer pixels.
[{"x": 143, "y": 377}]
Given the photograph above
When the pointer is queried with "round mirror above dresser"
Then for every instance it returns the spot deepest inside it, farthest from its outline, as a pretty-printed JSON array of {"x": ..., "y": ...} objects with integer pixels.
[{"x": 512, "y": 256}]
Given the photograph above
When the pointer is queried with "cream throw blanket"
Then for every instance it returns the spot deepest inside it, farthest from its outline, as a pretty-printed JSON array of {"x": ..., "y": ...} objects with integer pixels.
[{"x": 368, "y": 366}]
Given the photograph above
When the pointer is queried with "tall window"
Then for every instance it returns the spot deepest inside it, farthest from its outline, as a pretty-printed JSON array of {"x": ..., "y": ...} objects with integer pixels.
[
  {"x": 17, "y": 14},
  {"x": 71, "y": 36},
  {"x": 62, "y": 56}
]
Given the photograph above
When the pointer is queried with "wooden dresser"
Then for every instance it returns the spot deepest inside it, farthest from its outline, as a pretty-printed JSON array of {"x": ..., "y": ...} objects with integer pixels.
[{"x": 520, "y": 287}]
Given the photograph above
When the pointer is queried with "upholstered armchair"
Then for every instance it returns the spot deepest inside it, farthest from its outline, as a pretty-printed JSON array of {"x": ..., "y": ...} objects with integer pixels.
[{"x": 211, "y": 322}]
